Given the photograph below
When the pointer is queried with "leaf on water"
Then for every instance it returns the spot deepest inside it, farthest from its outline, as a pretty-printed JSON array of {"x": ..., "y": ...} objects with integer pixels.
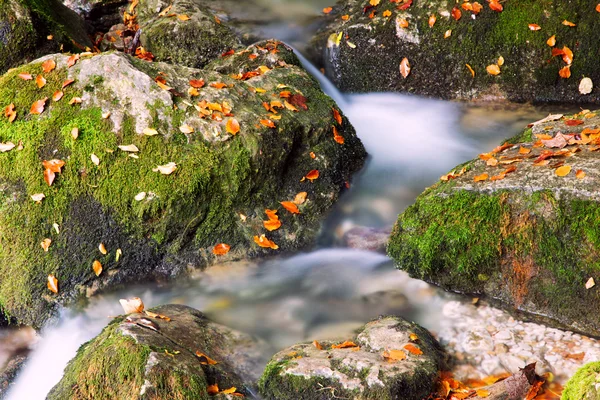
[
  {"x": 221, "y": 249},
  {"x": 585, "y": 86},
  {"x": 95, "y": 159},
  {"x": 8, "y": 146},
  {"x": 232, "y": 126},
  {"x": 493, "y": 69},
  {"x": 131, "y": 148},
  {"x": 413, "y": 349},
  {"x": 563, "y": 171},
  {"x": 38, "y": 197},
  {"x": 133, "y": 305},
  {"x": 46, "y": 244},
  {"x": 97, "y": 267},
  {"x": 48, "y": 65},
  {"x": 345, "y": 345},
  {"x": 551, "y": 41},
  {"x": 166, "y": 169},
  {"x": 480, "y": 178},
  {"x": 262, "y": 241},
  {"x": 290, "y": 206},
  {"x": 393, "y": 356},
  {"x": 405, "y": 68},
  {"x": 52, "y": 284},
  {"x": 38, "y": 106},
  {"x": 204, "y": 359},
  {"x": 102, "y": 248},
  {"x": 590, "y": 283}
]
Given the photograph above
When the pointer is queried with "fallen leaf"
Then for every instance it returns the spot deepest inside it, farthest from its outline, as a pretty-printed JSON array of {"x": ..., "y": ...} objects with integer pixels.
[
  {"x": 46, "y": 244},
  {"x": 262, "y": 241},
  {"x": 549, "y": 118},
  {"x": 272, "y": 224},
  {"x": 268, "y": 123},
  {"x": 75, "y": 133},
  {"x": 345, "y": 345},
  {"x": 534, "y": 27},
  {"x": 133, "y": 305},
  {"x": 327, "y": 10},
  {"x": 568, "y": 23},
  {"x": 403, "y": 23},
  {"x": 496, "y": 6},
  {"x": 290, "y": 206},
  {"x": 38, "y": 106},
  {"x": 231, "y": 390},
  {"x": 432, "y": 20},
  {"x": 524, "y": 150},
  {"x": 105, "y": 115},
  {"x": 186, "y": 129},
  {"x": 448, "y": 34},
  {"x": 132, "y": 148},
  {"x": 312, "y": 175},
  {"x": 563, "y": 171},
  {"x": 38, "y": 197},
  {"x": 413, "y": 349},
  {"x": 76, "y": 100},
  {"x": 551, "y": 41},
  {"x": 493, "y": 69},
  {"x": 387, "y": 13},
  {"x": 25, "y": 76},
  {"x": 95, "y": 159},
  {"x": 394, "y": 355},
  {"x": 299, "y": 101},
  {"x": 52, "y": 284},
  {"x": 166, "y": 169},
  {"x": 573, "y": 122},
  {"x": 565, "y": 72},
  {"x": 221, "y": 249},
  {"x": 471, "y": 70},
  {"x": 8, "y": 146},
  {"x": 482, "y": 393},
  {"x": 67, "y": 83},
  {"x": 158, "y": 316},
  {"x": 72, "y": 60},
  {"x": 204, "y": 359},
  {"x": 456, "y": 13},
  {"x": 500, "y": 61},
  {"x": 40, "y": 81},
  {"x": 10, "y": 113},
  {"x": 585, "y": 86},
  {"x": 49, "y": 176},
  {"x": 118, "y": 254},
  {"x": 480, "y": 178},
  {"x": 567, "y": 55},
  {"x": 197, "y": 83},
  {"x": 232, "y": 126},
  {"x": 590, "y": 283},
  {"x": 405, "y": 68},
  {"x": 580, "y": 174},
  {"x": 97, "y": 267},
  {"x": 212, "y": 389},
  {"x": 140, "y": 196},
  {"x": 218, "y": 85},
  {"x": 300, "y": 198},
  {"x": 48, "y": 65},
  {"x": 102, "y": 248},
  {"x": 150, "y": 132},
  {"x": 337, "y": 137},
  {"x": 57, "y": 95},
  {"x": 413, "y": 337},
  {"x": 183, "y": 17}
]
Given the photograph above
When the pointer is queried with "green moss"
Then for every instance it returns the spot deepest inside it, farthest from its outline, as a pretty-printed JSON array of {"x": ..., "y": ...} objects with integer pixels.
[
  {"x": 582, "y": 385},
  {"x": 101, "y": 363}
]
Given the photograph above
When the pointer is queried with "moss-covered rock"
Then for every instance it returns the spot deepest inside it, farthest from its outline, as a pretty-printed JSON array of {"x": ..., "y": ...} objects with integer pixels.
[
  {"x": 304, "y": 372},
  {"x": 155, "y": 225},
  {"x": 362, "y": 53},
  {"x": 585, "y": 384},
  {"x": 138, "y": 357},
  {"x": 25, "y": 26},
  {"x": 189, "y": 34},
  {"x": 527, "y": 237}
]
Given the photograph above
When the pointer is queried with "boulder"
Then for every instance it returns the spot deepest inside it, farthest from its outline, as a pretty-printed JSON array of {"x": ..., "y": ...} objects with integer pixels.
[
  {"x": 32, "y": 28},
  {"x": 361, "y": 49},
  {"x": 139, "y": 357},
  {"x": 585, "y": 384},
  {"x": 390, "y": 358},
  {"x": 519, "y": 225},
  {"x": 185, "y": 179}
]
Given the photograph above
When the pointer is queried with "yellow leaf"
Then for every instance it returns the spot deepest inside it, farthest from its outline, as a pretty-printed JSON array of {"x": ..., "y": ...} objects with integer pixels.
[
  {"x": 563, "y": 171},
  {"x": 118, "y": 255},
  {"x": 102, "y": 248},
  {"x": 448, "y": 34},
  {"x": 493, "y": 69},
  {"x": 186, "y": 129},
  {"x": 52, "y": 284},
  {"x": 183, "y": 17},
  {"x": 150, "y": 132},
  {"x": 483, "y": 393},
  {"x": 97, "y": 267},
  {"x": 232, "y": 126},
  {"x": 374, "y": 2},
  {"x": 228, "y": 391},
  {"x": 500, "y": 61},
  {"x": 46, "y": 244}
]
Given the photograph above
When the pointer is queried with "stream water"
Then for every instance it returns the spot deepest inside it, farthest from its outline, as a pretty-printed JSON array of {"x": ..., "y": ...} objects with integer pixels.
[{"x": 330, "y": 291}]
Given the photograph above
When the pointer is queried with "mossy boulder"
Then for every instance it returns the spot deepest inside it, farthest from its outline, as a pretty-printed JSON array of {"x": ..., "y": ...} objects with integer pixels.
[
  {"x": 189, "y": 34},
  {"x": 304, "y": 371},
  {"x": 25, "y": 26},
  {"x": 362, "y": 51},
  {"x": 138, "y": 357},
  {"x": 585, "y": 384},
  {"x": 514, "y": 227},
  {"x": 157, "y": 226}
]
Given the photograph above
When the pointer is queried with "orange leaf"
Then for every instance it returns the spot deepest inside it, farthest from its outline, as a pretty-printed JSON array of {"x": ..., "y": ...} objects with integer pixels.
[
  {"x": 183, "y": 17},
  {"x": 233, "y": 126},
  {"x": 524, "y": 150},
  {"x": 394, "y": 355},
  {"x": 262, "y": 241},
  {"x": 38, "y": 106},
  {"x": 67, "y": 83},
  {"x": 573, "y": 122},
  {"x": 97, "y": 267},
  {"x": 403, "y": 23},
  {"x": 413, "y": 337},
  {"x": 72, "y": 60},
  {"x": 413, "y": 349},
  {"x": 337, "y": 116},
  {"x": 218, "y": 85},
  {"x": 212, "y": 389},
  {"x": 317, "y": 345},
  {"x": 25, "y": 76},
  {"x": 477, "y": 8},
  {"x": 494, "y": 5},
  {"x": 54, "y": 165},
  {"x": 197, "y": 83},
  {"x": 272, "y": 224},
  {"x": 268, "y": 123},
  {"x": 345, "y": 17},
  {"x": 568, "y": 23},
  {"x": 312, "y": 175},
  {"x": 565, "y": 72},
  {"x": 231, "y": 390},
  {"x": 563, "y": 171},
  {"x": 493, "y": 69},
  {"x": 432, "y": 20},
  {"x": 57, "y": 95},
  {"x": 551, "y": 41},
  {"x": 337, "y": 137},
  {"x": 471, "y": 70},
  {"x": 221, "y": 249},
  {"x": 10, "y": 112},
  {"x": 52, "y": 284},
  {"x": 404, "y": 68},
  {"x": 481, "y": 177},
  {"x": 387, "y": 13},
  {"x": 327, "y": 10},
  {"x": 46, "y": 244},
  {"x": 49, "y": 176},
  {"x": 345, "y": 345},
  {"x": 40, "y": 81},
  {"x": 567, "y": 55},
  {"x": 204, "y": 359},
  {"x": 482, "y": 393},
  {"x": 598, "y": 8},
  {"x": 290, "y": 206},
  {"x": 534, "y": 27},
  {"x": 48, "y": 65},
  {"x": 580, "y": 174},
  {"x": 456, "y": 13}
]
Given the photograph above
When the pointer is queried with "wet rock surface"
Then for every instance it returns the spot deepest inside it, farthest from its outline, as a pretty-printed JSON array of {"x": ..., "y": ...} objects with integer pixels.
[
  {"x": 359, "y": 370},
  {"x": 142, "y": 357},
  {"x": 361, "y": 49},
  {"x": 519, "y": 224}
]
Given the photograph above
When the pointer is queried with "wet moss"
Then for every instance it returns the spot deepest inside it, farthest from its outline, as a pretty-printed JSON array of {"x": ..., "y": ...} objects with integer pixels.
[{"x": 584, "y": 384}]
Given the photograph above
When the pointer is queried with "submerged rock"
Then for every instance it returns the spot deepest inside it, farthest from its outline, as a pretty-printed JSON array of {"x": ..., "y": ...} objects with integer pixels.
[
  {"x": 358, "y": 370},
  {"x": 519, "y": 225},
  {"x": 138, "y": 357},
  {"x": 361, "y": 49},
  {"x": 185, "y": 178},
  {"x": 32, "y": 28},
  {"x": 585, "y": 384}
]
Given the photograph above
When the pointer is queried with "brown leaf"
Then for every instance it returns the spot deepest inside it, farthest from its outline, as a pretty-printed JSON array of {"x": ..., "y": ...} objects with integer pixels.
[
  {"x": 197, "y": 83},
  {"x": 67, "y": 83},
  {"x": 10, "y": 113},
  {"x": 405, "y": 67},
  {"x": 580, "y": 174},
  {"x": 337, "y": 116},
  {"x": 299, "y": 101}
]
